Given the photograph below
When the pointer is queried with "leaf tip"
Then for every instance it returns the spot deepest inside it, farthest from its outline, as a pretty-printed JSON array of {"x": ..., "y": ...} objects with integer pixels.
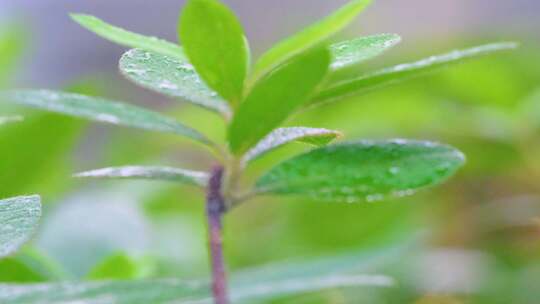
[{"x": 80, "y": 18}]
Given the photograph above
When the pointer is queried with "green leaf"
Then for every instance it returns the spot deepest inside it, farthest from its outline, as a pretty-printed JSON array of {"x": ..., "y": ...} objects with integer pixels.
[
  {"x": 273, "y": 98},
  {"x": 361, "y": 49},
  {"x": 355, "y": 262},
  {"x": 215, "y": 44},
  {"x": 364, "y": 170},
  {"x": 248, "y": 286},
  {"x": 150, "y": 173},
  {"x": 282, "y": 136},
  {"x": 127, "y": 38},
  {"x": 172, "y": 77},
  {"x": 115, "y": 267},
  {"x": 30, "y": 266},
  {"x": 10, "y": 119},
  {"x": 163, "y": 291},
  {"x": 308, "y": 37},
  {"x": 19, "y": 218},
  {"x": 377, "y": 79},
  {"x": 101, "y": 110}
]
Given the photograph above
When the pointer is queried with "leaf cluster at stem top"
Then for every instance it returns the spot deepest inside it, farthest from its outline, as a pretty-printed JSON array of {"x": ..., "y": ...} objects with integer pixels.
[{"x": 213, "y": 69}]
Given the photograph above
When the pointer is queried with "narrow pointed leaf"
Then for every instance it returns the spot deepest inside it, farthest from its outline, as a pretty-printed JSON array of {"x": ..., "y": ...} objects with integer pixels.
[
  {"x": 10, "y": 119},
  {"x": 127, "y": 38},
  {"x": 150, "y": 173},
  {"x": 364, "y": 170},
  {"x": 272, "y": 99},
  {"x": 215, "y": 44},
  {"x": 19, "y": 218},
  {"x": 361, "y": 49},
  {"x": 265, "y": 291},
  {"x": 248, "y": 286},
  {"x": 374, "y": 80},
  {"x": 102, "y": 110},
  {"x": 282, "y": 136},
  {"x": 166, "y": 291},
  {"x": 309, "y": 37},
  {"x": 172, "y": 77},
  {"x": 355, "y": 262}
]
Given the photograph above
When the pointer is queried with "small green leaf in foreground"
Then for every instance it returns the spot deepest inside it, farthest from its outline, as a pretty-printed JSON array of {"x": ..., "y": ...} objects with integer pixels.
[
  {"x": 309, "y": 37},
  {"x": 351, "y": 52},
  {"x": 19, "y": 218},
  {"x": 215, "y": 44},
  {"x": 282, "y": 136},
  {"x": 364, "y": 170},
  {"x": 373, "y": 80},
  {"x": 275, "y": 97},
  {"x": 98, "y": 109},
  {"x": 115, "y": 267},
  {"x": 149, "y": 173},
  {"x": 172, "y": 77},
  {"x": 127, "y": 38},
  {"x": 30, "y": 265}
]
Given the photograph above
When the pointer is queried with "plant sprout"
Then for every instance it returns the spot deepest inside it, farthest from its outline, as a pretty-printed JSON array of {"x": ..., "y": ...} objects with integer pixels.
[{"x": 213, "y": 69}]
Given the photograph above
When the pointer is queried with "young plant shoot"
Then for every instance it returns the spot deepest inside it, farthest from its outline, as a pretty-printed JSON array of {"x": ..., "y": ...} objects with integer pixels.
[{"x": 213, "y": 69}]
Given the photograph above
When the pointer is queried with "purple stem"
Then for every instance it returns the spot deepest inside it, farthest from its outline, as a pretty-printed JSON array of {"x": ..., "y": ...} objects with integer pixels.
[{"x": 215, "y": 208}]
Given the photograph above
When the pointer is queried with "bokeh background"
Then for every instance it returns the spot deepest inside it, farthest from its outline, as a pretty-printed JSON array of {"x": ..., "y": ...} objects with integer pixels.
[{"x": 480, "y": 232}]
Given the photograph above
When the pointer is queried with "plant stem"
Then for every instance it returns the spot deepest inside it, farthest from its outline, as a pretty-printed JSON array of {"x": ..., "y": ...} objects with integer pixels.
[{"x": 215, "y": 208}]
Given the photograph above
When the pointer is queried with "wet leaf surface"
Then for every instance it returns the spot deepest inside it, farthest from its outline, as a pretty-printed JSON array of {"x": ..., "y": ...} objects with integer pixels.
[
  {"x": 282, "y": 136},
  {"x": 19, "y": 218},
  {"x": 149, "y": 173},
  {"x": 172, "y": 77},
  {"x": 101, "y": 110},
  {"x": 363, "y": 171},
  {"x": 351, "y": 52},
  {"x": 386, "y": 76}
]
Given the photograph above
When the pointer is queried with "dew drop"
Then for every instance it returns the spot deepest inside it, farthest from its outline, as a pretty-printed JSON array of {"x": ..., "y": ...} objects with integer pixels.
[{"x": 165, "y": 84}]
